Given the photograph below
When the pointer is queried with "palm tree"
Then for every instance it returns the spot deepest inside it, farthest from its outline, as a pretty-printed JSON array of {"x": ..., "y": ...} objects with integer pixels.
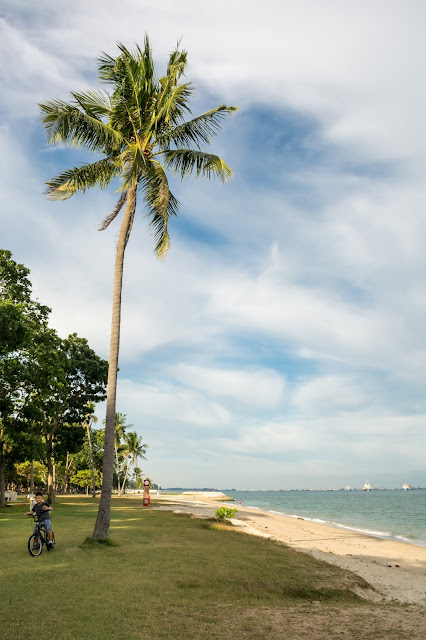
[
  {"x": 137, "y": 477},
  {"x": 119, "y": 434},
  {"x": 88, "y": 420},
  {"x": 134, "y": 450},
  {"x": 140, "y": 130}
]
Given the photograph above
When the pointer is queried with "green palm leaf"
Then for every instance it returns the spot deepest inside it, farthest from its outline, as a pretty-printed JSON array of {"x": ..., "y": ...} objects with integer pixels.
[
  {"x": 196, "y": 131},
  {"x": 161, "y": 204},
  {"x": 71, "y": 181},
  {"x": 66, "y": 124},
  {"x": 185, "y": 161}
]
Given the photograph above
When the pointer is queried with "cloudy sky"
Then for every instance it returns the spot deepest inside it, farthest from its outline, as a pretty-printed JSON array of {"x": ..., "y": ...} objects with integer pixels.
[{"x": 282, "y": 343}]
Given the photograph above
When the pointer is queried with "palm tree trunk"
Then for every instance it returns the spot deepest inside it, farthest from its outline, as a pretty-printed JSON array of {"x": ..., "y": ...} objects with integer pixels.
[
  {"x": 101, "y": 530},
  {"x": 125, "y": 478},
  {"x": 50, "y": 486},
  {"x": 2, "y": 494},
  {"x": 32, "y": 477}
]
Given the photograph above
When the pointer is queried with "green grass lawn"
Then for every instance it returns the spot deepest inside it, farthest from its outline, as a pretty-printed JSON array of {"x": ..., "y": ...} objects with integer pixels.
[{"x": 171, "y": 576}]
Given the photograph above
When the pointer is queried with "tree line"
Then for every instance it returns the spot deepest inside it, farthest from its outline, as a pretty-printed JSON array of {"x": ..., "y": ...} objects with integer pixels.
[{"x": 49, "y": 387}]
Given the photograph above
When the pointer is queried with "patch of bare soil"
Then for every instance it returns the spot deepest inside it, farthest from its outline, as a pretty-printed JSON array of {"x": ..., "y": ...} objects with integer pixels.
[{"x": 315, "y": 621}]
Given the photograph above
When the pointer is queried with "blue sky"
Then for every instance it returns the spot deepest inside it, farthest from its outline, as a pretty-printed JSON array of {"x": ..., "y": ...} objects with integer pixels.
[{"x": 282, "y": 342}]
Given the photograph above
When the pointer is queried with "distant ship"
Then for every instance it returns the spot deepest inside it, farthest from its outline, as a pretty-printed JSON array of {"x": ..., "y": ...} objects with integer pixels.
[
  {"x": 367, "y": 487},
  {"x": 406, "y": 487},
  {"x": 348, "y": 488}
]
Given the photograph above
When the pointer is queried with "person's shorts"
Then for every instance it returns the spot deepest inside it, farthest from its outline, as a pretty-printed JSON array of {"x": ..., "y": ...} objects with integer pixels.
[{"x": 46, "y": 523}]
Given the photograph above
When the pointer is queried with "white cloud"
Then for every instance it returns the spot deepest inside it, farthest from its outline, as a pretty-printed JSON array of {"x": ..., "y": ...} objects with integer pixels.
[{"x": 259, "y": 388}]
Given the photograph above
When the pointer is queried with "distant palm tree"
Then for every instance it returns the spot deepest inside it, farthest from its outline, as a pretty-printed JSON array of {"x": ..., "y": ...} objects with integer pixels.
[
  {"x": 88, "y": 420},
  {"x": 134, "y": 450},
  {"x": 137, "y": 477},
  {"x": 140, "y": 130},
  {"x": 120, "y": 434}
]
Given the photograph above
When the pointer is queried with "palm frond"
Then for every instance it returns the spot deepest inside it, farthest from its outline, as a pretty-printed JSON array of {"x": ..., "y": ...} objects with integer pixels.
[
  {"x": 66, "y": 124},
  {"x": 185, "y": 161},
  {"x": 94, "y": 103},
  {"x": 177, "y": 63},
  {"x": 98, "y": 174},
  {"x": 172, "y": 104},
  {"x": 107, "y": 221},
  {"x": 196, "y": 131},
  {"x": 161, "y": 204}
]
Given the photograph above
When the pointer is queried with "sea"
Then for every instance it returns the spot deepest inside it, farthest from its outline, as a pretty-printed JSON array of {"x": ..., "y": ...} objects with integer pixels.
[{"x": 390, "y": 514}]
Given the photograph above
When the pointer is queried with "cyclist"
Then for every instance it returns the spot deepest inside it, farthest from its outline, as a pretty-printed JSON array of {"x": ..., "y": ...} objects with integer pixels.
[{"x": 42, "y": 510}]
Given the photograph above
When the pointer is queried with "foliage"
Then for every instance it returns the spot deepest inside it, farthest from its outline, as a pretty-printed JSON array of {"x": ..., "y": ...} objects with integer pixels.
[
  {"x": 83, "y": 478},
  {"x": 23, "y": 472},
  {"x": 23, "y": 328},
  {"x": 225, "y": 512}
]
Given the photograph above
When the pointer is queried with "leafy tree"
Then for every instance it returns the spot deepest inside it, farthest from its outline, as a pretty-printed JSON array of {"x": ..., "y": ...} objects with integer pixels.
[
  {"x": 140, "y": 130},
  {"x": 83, "y": 478},
  {"x": 24, "y": 470},
  {"x": 72, "y": 375},
  {"x": 23, "y": 328}
]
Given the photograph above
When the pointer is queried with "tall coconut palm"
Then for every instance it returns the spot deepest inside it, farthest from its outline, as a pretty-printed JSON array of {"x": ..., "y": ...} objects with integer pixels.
[
  {"x": 140, "y": 128},
  {"x": 134, "y": 450}
]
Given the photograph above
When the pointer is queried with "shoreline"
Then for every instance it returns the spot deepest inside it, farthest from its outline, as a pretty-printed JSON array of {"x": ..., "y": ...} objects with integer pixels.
[
  {"x": 381, "y": 535},
  {"x": 395, "y": 569}
]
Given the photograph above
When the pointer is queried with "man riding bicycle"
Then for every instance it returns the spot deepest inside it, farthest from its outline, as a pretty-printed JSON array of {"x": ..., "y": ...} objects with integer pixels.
[{"x": 42, "y": 510}]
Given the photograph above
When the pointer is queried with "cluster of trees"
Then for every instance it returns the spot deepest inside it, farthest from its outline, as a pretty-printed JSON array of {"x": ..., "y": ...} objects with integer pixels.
[{"x": 49, "y": 387}]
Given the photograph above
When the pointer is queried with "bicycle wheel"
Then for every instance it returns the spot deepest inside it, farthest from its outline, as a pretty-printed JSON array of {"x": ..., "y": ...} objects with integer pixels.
[
  {"x": 50, "y": 545},
  {"x": 35, "y": 545}
]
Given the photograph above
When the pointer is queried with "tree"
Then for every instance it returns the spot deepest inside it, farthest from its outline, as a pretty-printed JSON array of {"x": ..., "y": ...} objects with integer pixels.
[
  {"x": 89, "y": 419},
  {"x": 140, "y": 130},
  {"x": 25, "y": 469},
  {"x": 23, "y": 329},
  {"x": 134, "y": 450},
  {"x": 137, "y": 477},
  {"x": 119, "y": 435},
  {"x": 71, "y": 375},
  {"x": 83, "y": 478}
]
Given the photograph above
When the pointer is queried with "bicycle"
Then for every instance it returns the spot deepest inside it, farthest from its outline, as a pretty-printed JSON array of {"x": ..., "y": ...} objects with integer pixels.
[{"x": 38, "y": 538}]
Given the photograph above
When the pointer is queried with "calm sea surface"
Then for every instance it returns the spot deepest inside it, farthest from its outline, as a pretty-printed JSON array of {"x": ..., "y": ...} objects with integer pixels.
[{"x": 396, "y": 515}]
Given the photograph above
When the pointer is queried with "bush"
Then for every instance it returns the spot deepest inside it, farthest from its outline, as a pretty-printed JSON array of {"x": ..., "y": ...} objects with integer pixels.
[{"x": 225, "y": 512}]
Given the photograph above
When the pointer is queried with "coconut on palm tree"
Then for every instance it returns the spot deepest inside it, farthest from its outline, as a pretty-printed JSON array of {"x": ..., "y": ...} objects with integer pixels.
[{"x": 142, "y": 127}]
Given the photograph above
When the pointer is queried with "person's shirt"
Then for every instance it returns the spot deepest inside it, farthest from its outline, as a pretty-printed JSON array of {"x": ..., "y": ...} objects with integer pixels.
[{"x": 38, "y": 510}]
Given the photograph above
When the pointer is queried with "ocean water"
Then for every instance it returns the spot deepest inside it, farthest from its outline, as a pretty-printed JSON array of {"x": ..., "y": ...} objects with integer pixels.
[{"x": 394, "y": 515}]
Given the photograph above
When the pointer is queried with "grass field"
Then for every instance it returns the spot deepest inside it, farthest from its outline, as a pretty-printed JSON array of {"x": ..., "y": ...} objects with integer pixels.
[{"x": 172, "y": 576}]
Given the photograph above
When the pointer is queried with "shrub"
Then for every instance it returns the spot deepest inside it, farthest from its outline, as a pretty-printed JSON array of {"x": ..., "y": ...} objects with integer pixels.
[{"x": 225, "y": 512}]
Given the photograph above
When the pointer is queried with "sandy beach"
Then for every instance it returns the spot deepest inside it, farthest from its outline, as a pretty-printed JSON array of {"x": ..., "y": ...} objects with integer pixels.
[{"x": 395, "y": 570}]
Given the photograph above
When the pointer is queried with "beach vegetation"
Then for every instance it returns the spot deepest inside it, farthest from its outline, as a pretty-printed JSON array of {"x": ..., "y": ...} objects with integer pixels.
[
  {"x": 225, "y": 512},
  {"x": 139, "y": 129}
]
